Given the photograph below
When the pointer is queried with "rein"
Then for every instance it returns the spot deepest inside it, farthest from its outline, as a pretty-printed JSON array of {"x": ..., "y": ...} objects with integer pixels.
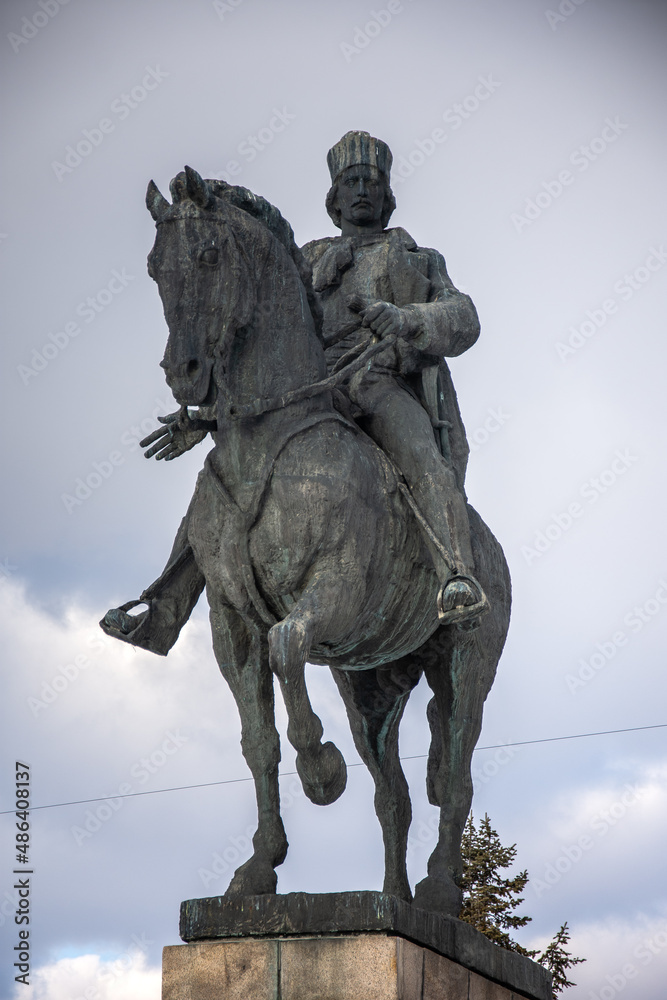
[{"x": 266, "y": 405}]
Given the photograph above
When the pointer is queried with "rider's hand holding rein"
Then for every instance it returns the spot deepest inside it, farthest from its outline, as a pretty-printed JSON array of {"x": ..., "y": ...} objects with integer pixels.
[{"x": 386, "y": 319}]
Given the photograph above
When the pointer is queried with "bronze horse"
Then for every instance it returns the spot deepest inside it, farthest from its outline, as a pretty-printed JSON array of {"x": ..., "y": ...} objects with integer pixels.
[{"x": 307, "y": 542}]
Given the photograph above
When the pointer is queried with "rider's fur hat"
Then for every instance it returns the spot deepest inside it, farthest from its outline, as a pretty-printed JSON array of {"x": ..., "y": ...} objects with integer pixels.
[{"x": 359, "y": 147}]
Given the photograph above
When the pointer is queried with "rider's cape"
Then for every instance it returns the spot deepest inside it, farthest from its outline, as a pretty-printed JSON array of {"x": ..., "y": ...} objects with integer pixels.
[{"x": 406, "y": 275}]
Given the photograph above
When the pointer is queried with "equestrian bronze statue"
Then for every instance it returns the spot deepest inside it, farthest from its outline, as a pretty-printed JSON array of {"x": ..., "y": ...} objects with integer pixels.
[{"x": 329, "y": 523}]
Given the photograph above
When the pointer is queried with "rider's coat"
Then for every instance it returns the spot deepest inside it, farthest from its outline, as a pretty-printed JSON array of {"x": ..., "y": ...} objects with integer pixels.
[{"x": 391, "y": 267}]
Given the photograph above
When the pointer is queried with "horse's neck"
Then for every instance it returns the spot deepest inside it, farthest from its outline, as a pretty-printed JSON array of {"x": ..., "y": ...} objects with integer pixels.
[{"x": 278, "y": 350}]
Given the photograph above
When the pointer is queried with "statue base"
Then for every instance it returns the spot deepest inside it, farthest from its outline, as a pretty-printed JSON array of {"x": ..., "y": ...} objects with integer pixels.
[{"x": 338, "y": 946}]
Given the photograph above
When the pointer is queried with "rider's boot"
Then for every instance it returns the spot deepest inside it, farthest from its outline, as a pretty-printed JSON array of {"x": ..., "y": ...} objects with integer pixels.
[
  {"x": 444, "y": 521},
  {"x": 170, "y": 599}
]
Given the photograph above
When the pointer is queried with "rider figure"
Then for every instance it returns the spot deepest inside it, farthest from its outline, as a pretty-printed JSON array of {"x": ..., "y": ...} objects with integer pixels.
[{"x": 404, "y": 400}]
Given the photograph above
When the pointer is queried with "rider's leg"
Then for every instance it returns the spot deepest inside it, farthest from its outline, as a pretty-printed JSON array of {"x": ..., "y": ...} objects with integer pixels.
[
  {"x": 437, "y": 496},
  {"x": 401, "y": 426},
  {"x": 171, "y": 599}
]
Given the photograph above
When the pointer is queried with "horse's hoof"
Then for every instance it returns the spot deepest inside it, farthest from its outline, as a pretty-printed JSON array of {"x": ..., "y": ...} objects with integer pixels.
[
  {"x": 256, "y": 877},
  {"x": 398, "y": 887},
  {"x": 323, "y": 774},
  {"x": 438, "y": 896}
]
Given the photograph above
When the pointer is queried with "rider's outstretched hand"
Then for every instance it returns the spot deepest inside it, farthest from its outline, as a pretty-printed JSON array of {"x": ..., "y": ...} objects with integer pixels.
[{"x": 177, "y": 437}]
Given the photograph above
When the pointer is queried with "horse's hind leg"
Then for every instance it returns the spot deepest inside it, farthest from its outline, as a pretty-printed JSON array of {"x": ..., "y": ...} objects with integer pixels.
[
  {"x": 375, "y": 700},
  {"x": 455, "y": 715},
  {"x": 321, "y": 767},
  {"x": 460, "y": 667},
  {"x": 241, "y": 651}
]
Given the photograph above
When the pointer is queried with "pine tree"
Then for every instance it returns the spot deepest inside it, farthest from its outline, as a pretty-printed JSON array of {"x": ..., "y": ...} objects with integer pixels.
[
  {"x": 558, "y": 960},
  {"x": 489, "y": 900}
]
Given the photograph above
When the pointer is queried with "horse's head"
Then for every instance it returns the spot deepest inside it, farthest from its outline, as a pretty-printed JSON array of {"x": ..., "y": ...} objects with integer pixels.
[{"x": 203, "y": 276}]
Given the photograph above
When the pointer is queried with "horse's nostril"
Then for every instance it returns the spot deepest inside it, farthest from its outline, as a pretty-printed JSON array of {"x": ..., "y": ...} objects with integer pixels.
[{"x": 193, "y": 367}]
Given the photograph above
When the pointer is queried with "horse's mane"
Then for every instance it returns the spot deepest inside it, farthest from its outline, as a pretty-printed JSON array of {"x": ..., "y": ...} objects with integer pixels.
[{"x": 262, "y": 210}]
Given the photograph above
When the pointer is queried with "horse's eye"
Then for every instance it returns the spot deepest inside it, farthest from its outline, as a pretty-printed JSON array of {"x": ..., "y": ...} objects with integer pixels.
[{"x": 209, "y": 256}]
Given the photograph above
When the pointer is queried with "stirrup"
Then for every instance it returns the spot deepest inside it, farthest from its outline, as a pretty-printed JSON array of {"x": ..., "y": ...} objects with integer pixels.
[
  {"x": 155, "y": 629},
  {"x": 463, "y": 613},
  {"x": 111, "y": 623}
]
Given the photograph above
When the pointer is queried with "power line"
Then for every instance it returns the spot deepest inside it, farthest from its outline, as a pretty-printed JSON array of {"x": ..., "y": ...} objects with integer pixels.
[{"x": 286, "y": 774}]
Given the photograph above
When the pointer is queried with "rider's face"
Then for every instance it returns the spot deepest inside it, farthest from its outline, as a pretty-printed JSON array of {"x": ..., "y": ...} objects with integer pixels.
[{"x": 360, "y": 196}]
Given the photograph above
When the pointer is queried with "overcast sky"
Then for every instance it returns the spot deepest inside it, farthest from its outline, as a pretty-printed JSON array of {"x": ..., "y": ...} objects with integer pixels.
[{"x": 529, "y": 148}]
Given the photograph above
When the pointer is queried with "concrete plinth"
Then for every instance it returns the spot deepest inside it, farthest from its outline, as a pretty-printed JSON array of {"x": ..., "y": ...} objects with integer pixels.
[
  {"x": 363, "y": 967},
  {"x": 338, "y": 946}
]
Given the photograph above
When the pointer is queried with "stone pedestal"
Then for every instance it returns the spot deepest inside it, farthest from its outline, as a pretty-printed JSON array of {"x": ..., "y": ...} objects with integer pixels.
[{"x": 359, "y": 946}]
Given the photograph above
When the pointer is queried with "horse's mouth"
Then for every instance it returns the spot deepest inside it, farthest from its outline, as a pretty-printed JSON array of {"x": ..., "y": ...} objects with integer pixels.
[{"x": 190, "y": 381}]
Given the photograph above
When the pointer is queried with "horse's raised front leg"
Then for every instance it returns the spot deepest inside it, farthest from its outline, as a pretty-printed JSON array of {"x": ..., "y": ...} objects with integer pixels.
[
  {"x": 321, "y": 767},
  {"x": 374, "y": 700},
  {"x": 241, "y": 651}
]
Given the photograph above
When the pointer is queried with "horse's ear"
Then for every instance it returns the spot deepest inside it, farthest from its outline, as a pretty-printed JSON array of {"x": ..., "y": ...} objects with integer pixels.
[
  {"x": 156, "y": 203},
  {"x": 198, "y": 189}
]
